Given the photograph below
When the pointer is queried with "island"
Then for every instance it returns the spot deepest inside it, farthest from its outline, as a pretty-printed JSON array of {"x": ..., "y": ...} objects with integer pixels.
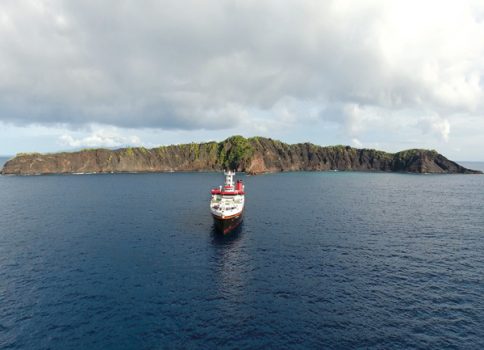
[{"x": 253, "y": 155}]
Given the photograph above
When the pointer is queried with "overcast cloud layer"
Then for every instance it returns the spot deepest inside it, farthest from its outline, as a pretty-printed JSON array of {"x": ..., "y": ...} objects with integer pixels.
[{"x": 366, "y": 68}]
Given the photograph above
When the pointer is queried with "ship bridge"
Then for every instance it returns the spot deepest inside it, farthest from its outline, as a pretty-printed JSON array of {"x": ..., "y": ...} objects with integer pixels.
[{"x": 229, "y": 188}]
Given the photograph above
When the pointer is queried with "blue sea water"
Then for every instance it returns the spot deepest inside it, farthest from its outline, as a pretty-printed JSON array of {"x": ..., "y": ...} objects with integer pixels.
[{"x": 333, "y": 260}]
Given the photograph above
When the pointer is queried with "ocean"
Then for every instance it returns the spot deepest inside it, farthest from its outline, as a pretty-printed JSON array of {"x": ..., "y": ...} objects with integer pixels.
[{"x": 334, "y": 260}]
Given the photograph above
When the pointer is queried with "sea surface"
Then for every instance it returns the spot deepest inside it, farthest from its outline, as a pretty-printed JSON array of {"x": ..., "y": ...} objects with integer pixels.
[{"x": 333, "y": 260}]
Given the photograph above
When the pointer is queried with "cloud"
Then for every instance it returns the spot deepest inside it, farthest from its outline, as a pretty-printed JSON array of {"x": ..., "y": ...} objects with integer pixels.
[
  {"x": 356, "y": 143},
  {"x": 100, "y": 138},
  {"x": 217, "y": 65},
  {"x": 442, "y": 127},
  {"x": 437, "y": 126}
]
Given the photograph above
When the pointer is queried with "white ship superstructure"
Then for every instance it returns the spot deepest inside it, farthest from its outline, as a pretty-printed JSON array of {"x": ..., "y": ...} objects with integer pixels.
[{"x": 227, "y": 203}]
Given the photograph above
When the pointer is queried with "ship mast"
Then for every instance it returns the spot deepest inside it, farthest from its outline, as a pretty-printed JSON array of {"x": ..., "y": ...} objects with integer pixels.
[{"x": 229, "y": 179}]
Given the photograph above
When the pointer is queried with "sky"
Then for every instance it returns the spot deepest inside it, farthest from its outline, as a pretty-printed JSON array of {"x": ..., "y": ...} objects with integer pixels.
[{"x": 382, "y": 74}]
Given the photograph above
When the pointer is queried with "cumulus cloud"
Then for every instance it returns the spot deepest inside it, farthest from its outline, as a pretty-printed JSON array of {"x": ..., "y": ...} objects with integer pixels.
[
  {"x": 442, "y": 127},
  {"x": 356, "y": 143},
  {"x": 215, "y": 65},
  {"x": 100, "y": 138},
  {"x": 437, "y": 126}
]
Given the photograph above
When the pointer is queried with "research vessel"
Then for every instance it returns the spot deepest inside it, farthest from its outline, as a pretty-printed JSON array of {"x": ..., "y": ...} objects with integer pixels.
[{"x": 227, "y": 203}]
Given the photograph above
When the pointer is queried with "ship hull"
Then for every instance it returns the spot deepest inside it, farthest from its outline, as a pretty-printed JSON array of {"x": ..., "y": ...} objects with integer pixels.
[{"x": 226, "y": 225}]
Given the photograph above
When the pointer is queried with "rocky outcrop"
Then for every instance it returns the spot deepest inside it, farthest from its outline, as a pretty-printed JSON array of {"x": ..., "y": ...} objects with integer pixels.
[{"x": 254, "y": 155}]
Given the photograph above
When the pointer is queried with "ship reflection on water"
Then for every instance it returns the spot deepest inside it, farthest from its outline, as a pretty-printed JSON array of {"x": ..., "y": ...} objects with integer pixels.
[{"x": 231, "y": 264}]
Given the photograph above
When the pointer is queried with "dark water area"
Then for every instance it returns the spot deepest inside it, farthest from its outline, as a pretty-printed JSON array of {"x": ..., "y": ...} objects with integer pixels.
[{"x": 322, "y": 260}]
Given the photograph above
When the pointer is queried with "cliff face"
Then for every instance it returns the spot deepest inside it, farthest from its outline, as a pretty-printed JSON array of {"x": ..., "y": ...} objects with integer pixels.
[{"x": 253, "y": 155}]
